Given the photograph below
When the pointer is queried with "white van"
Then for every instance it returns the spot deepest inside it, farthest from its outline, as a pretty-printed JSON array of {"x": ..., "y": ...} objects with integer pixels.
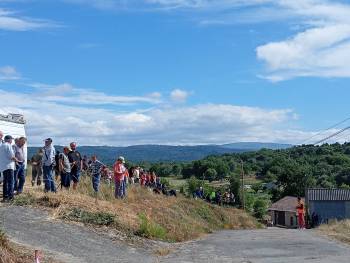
[{"x": 14, "y": 125}]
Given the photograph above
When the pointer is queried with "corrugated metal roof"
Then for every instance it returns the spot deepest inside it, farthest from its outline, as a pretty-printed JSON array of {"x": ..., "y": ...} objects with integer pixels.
[{"x": 320, "y": 194}]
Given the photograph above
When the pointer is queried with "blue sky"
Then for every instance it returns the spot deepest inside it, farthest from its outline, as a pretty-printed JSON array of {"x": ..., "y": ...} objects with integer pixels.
[{"x": 175, "y": 71}]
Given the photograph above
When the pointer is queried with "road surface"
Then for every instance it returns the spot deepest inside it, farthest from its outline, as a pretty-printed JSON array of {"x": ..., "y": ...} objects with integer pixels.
[{"x": 73, "y": 243}]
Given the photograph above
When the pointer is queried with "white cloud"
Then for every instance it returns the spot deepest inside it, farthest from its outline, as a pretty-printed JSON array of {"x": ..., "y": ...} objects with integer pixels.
[
  {"x": 11, "y": 21},
  {"x": 179, "y": 96},
  {"x": 163, "y": 124},
  {"x": 9, "y": 73},
  {"x": 320, "y": 50},
  {"x": 67, "y": 93}
]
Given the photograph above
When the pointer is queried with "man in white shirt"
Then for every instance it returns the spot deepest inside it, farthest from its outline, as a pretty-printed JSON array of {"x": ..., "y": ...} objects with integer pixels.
[
  {"x": 7, "y": 167},
  {"x": 48, "y": 165}
]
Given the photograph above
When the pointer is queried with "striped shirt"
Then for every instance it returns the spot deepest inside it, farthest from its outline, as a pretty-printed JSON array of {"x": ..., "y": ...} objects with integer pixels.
[{"x": 96, "y": 167}]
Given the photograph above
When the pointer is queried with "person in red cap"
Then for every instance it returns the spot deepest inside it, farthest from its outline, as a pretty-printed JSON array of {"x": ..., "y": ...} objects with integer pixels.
[{"x": 76, "y": 162}]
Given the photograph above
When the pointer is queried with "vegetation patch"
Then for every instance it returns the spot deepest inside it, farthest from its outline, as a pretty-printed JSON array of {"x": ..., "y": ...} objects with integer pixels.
[
  {"x": 339, "y": 230},
  {"x": 24, "y": 199},
  {"x": 150, "y": 229},
  {"x": 98, "y": 218}
]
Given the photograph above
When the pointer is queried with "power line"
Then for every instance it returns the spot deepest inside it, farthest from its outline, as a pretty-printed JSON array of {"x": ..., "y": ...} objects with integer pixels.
[
  {"x": 333, "y": 126},
  {"x": 332, "y": 135}
]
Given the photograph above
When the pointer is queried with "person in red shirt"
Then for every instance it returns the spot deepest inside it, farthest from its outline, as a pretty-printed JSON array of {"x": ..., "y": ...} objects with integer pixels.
[
  {"x": 301, "y": 214},
  {"x": 119, "y": 175}
]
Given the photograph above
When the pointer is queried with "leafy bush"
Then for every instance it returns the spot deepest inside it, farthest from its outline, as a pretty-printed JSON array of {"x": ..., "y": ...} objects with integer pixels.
[
  {"x": 150, "y": 229},
  {"x": 99, "y": 218}
]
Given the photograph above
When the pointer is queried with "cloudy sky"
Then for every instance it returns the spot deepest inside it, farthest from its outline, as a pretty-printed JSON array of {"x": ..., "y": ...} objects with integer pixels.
[{"x": 125, "y": 72}]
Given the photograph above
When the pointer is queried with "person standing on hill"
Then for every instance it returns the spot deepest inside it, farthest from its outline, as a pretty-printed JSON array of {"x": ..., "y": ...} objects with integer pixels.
[
  {"x": 21, "y": 157},
  {"x": 1, "y": 141},
  {"x": 65, "y": 168},
  {"x": 301, "y": 214},
  {"x": 37, "y": 167},
  {"x": 48, "y": 165},
  {"x": 7, "y": 167},
  {"x": 96, "y": 168},
  {"x": 119, "y": 175},
  {"x": 76, "y": 162}
]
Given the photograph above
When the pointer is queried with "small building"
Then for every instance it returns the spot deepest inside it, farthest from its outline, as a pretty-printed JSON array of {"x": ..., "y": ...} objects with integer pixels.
[
  {"x": 283, "y": 212},
  {"x": 328, "y": 204}
]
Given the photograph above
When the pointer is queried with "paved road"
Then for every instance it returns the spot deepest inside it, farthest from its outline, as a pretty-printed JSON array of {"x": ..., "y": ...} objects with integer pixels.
[{"x": 72, "y": 243}]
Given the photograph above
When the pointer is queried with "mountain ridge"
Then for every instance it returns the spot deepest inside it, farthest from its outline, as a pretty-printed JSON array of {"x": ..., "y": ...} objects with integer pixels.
[{"x": 166, "y": 153}]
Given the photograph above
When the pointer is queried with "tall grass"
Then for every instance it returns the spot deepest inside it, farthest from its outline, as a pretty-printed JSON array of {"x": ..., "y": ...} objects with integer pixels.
[{"x": 339, "y": 230}]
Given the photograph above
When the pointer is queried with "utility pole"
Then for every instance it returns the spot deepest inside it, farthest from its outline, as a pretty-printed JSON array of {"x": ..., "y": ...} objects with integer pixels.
[{"x": 242, "y": 175}]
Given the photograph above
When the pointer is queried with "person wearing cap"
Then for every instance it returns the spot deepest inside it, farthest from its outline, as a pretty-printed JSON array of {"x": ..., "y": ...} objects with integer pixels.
[
  {"x": 7, "y": 167},
  {"x": 119, "y": 175},
  {"x": 48, "y": 165},
  {"x": 65, "y": 168},
  {"x": 21, "y": 157},
  {"x": 76, "y": 164}
]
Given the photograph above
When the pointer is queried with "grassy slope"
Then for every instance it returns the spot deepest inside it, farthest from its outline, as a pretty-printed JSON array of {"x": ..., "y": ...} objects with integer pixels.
[
  {"x": 339, "y": 230},
  {"x": 143, "y": 213},
  {"x": 9, "y": 253}
]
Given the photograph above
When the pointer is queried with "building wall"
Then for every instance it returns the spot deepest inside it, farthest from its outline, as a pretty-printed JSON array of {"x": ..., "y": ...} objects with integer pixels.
[
  {"x": 327, "y": 210},
  {"x": 290, "y": 219}
]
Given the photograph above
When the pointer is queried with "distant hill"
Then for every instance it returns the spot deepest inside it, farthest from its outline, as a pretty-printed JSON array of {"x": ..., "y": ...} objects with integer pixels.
[
  {"x": 157, "y": 153},
  {"x": 256, "y": 146}
]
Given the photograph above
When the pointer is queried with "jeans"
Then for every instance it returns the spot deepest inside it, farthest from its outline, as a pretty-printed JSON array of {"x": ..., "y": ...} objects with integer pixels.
[
  {"x": 19, "y": 178},
  {"x": 8, "y": 184},
  {"x": 96, "y": 181},
  {"x": 48, "y": 179},
  {"x": 65, "y": 179},
  {"x": 75, "y": 175},
  {"x": 119, "y": 188}
]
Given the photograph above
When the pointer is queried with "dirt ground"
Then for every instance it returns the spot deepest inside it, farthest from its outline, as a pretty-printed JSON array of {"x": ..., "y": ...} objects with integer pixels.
[{"x": 74, "y": 243}]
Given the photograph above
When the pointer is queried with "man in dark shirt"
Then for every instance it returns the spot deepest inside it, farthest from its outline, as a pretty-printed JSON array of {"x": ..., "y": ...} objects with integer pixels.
[{"x": 76, "y": 164}]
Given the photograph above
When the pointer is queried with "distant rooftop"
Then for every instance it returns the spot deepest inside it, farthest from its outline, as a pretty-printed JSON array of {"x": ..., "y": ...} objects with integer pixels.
[
  {"x": 288, "y": 203},
  {"x": 11, "y": 117},
  {"x": 322, "y": 194}
]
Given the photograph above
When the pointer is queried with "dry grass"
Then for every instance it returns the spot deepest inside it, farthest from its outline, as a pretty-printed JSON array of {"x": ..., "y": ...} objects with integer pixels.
[
  {"x": 11, "y": 253},
  {"x": 181, "y": 218},
  {"x": 339, "y": 230}
]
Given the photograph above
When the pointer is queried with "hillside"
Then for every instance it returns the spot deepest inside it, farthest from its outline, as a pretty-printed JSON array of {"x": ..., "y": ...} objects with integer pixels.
[
  {"x": 165, "y": 153},
  {"x": 142, "y": 213}
]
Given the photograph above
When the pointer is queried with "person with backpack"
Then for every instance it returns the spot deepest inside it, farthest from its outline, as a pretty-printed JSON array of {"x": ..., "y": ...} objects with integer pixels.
[
  {"x": 65, "y": 168},
  {"x": 48, "y": 166},
  {"x": 76, "y": 164}
]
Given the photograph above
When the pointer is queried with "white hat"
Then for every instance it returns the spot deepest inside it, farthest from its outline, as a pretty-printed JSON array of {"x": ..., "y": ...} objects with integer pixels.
[{"x": 121, "y": 158}]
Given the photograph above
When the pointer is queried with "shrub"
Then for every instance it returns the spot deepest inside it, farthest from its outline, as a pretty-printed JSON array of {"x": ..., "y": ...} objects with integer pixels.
[
  {"x": 99, "y": 218},
  {"x": 150, "y": 229},
  {"x": 24, "y": 199}
]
